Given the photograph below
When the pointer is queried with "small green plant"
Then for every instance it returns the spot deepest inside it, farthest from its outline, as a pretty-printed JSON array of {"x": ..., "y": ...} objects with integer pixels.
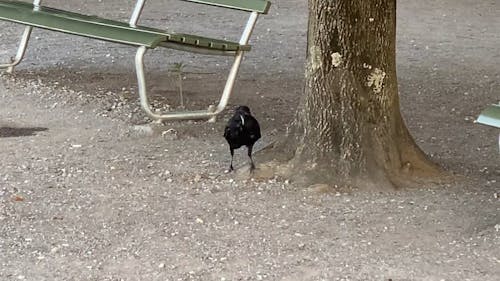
[{"x": 178, "y": 68}]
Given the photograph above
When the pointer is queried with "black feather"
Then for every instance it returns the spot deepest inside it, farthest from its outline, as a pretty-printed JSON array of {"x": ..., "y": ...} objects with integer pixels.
[{"x": 242, "y": 129}]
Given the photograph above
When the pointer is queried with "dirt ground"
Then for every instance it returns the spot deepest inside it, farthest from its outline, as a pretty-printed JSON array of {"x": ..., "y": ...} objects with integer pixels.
[{"x": 90, "y": 189}]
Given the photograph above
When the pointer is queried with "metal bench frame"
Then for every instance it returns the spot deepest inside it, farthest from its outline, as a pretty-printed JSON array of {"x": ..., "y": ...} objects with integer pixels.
[{"x": 210, "y": 113}]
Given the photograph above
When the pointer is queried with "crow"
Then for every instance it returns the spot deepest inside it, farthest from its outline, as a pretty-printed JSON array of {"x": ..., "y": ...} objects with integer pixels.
[{"x": 242, "y": 130}]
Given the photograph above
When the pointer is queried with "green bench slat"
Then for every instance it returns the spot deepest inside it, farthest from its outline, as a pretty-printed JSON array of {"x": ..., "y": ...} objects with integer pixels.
[
  {"x": 104, "y": 29},
  {"x": 490, "y": 116},
  {"x": 260, "y": 6},
  {"x": 25, "y": 15},
  {"x": 180, "y": 38}
]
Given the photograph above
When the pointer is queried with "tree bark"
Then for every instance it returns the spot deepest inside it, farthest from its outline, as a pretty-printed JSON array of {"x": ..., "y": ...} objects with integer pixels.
[{"x": 348, "y": 128}]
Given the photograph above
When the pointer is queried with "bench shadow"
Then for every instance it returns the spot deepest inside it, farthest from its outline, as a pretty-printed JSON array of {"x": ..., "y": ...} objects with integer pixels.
[{"x": 8, "y": 132}]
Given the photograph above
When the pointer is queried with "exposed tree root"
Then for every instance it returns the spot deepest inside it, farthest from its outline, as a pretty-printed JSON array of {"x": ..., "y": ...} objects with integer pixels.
[{"x": 415, "y": 173}]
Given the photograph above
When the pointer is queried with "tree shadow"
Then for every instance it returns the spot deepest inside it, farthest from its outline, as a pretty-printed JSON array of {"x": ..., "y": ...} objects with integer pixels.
[{"x": 7, "y": 132}]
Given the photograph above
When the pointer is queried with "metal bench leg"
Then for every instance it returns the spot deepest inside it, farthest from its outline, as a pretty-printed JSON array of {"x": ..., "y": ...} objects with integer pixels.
[
  {"x": 212, "y": 111},
  {"x": 228, "y": 88},
  {"x": 209, "y": 114},
  {"x": 139, "y": 5},
  {"x": 20, "y": 51}
]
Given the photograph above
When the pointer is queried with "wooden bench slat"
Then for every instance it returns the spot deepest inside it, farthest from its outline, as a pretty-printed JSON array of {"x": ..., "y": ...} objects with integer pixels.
[
  {"x": 260, "y": 6},
  {"x": 105, "y": 29}
]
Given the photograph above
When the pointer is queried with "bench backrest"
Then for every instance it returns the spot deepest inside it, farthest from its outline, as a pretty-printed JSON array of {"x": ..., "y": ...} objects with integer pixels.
[{"x": 259, "y": 6}]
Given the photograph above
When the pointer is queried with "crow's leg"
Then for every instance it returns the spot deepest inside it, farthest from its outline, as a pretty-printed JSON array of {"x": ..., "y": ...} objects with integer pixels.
[
  {"x": 232, "y": 155},
  {"x": 250, "y": 148}
]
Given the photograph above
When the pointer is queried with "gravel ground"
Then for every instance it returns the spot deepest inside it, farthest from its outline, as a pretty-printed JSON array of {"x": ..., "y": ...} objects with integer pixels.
[{"x": 91, "y": 190}]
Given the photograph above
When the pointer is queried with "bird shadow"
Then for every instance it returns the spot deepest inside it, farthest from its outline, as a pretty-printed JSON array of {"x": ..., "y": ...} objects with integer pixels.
[{"x": 11, "y": 132}]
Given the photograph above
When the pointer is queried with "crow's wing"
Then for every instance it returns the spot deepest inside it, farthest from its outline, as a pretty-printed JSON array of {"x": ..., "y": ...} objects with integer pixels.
[
  {"x": 234, "y": 127},
  {"x": 227, "y": 132},
  {"x": 252, "y": 127}
]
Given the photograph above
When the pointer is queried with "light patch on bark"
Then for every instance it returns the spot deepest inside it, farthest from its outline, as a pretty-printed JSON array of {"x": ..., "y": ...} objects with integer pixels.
[
  {"x": 310, "y": 165},
  {"x": 367, "y": 66},
  {"x": 315, "y": 58},
  {"x": 376, "y": 80},
  {"x": 337, "y": 59}
]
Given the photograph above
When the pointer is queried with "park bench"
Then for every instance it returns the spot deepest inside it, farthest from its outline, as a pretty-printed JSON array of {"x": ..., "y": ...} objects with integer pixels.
[
  {"x": 491, "y": 116},
  {"x": 144, "y": 38}
]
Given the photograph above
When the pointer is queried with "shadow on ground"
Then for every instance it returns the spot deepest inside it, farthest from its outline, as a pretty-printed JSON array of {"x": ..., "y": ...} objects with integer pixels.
[{"x": 11, "y": 132}]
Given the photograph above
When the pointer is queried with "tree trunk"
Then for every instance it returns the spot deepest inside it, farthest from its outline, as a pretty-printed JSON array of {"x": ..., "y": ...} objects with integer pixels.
[{"x": 348, "y": 128}]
